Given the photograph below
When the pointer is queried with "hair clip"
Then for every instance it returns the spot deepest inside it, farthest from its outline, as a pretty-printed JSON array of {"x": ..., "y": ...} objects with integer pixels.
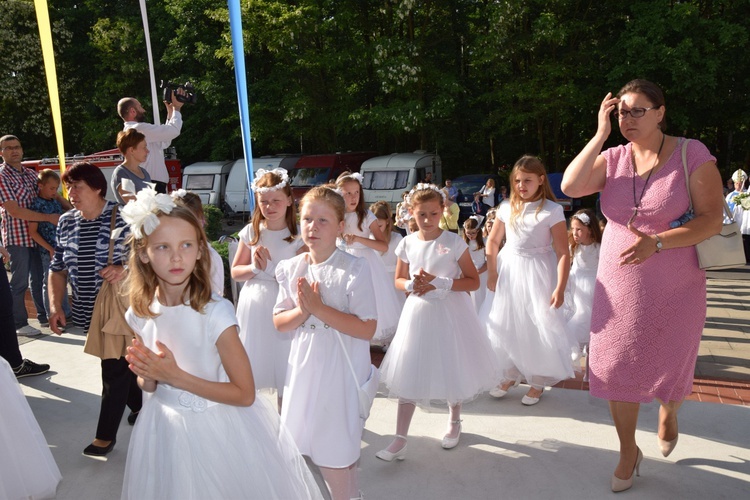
[{"x": 141, "y": 213}]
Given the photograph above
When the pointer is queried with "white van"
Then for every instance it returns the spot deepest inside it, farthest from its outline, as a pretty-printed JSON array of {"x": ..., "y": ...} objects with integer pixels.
[
  {"x": 207, "y": 179},
  {"x": 236, "y": 196},
  {"x": 385, "y": 178}
]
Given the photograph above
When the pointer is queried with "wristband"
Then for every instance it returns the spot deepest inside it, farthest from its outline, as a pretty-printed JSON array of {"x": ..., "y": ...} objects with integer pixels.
[
  {"x": 442, "y": 283},
  {"x": 254, "y": 269},
  {"x": 409, "y": 286}
]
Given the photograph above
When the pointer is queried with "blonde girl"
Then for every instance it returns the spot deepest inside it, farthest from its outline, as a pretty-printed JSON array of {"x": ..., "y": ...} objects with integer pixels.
[
  {"x": 525, "y": 322},
  {"x": 473, "y": 237},
  {"x": 326, "y": 300},
  {"x": 188, "y": 355},
  {"x": 270, "y": 237},
  {"x": 439, "y": 353},
  {"x": 382, "y": 212},
  {"x": 584, "y": 240},
  {"x": 362, "y": 237}
]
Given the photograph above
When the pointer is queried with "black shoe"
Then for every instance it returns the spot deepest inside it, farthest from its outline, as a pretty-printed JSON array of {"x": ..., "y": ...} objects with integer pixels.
[
  {"x": 99, "y": 451},
  {"x": 133, "y": 417},
  {"x": 28, "y": 368}
]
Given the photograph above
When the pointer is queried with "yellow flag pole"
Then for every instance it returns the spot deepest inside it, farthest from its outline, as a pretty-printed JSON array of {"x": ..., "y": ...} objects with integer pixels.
[{"x": 45, "y": 36}]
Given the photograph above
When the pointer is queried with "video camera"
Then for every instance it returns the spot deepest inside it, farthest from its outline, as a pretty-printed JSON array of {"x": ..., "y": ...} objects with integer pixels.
[{"x": 169, "y": 88}]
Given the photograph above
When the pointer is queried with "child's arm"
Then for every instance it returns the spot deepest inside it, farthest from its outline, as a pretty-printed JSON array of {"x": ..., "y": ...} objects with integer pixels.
[
  {"x": 349, "y": 324},
  {"x": 560, "y": 244},
  {"x": 153, "y": 367},
  {"x": 291, "y": 319},
  {"x": 494, "y": 240},
  {"x": 379, "y": 244},
  {"x": 34, "y": 233},
  {"x": 425, "y": 282}
]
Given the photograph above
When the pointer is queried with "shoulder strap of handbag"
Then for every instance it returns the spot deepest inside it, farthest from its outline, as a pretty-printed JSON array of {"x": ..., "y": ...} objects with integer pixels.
[
  {"x": 112, "y": 225},
  {"x": 348, "y": 359},
  {"x": 687, "y": 182}
]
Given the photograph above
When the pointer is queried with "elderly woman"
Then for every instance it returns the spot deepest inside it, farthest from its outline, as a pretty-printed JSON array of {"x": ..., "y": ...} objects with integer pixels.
[
  {"x": 81, "y": 256},
  {"x": 650, "y": 296}
]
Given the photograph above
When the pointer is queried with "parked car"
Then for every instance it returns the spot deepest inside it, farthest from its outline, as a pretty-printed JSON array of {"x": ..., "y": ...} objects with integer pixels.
[
  {"x": 467, "y": 185},
  {"x": 314, "y": 170}
]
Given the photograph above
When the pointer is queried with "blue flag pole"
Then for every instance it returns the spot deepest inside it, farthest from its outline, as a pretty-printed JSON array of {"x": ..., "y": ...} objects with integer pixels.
[{"x": 238, "y": 49}]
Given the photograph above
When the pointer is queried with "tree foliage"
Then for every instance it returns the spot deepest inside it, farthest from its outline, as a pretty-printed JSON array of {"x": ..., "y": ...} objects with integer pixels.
[{"x": 480, "y": 81}]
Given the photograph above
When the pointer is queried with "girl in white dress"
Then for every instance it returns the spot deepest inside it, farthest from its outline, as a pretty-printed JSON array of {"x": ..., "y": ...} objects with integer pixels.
[
  {"x": 439, "y": 352},
  {"x": 270, "y": 238},
  {"x": 382, "y": 212},
  {"x": 526, "y": 323},
  {"x": 27, "y": 468},
  {"x": 326, "y": 298},
  {"x": 584, "y": 239},
  {"x": 363, "y": 238},
  {"x": 201, "y": 432},
  {"x": 474, "y": 238}
]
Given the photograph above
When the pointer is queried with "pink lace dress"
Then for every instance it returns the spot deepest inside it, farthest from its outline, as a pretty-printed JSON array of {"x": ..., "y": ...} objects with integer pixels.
[{"x": 647, "y": 319}]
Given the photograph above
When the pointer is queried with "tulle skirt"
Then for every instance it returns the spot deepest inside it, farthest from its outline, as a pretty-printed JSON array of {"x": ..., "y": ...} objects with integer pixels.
[
  {"x": 267, "y": 349},
  {"x": 184, "y": 447},
  {"x": 478, "y": 295},
  {"x": 439, "y": 353},
  {"x": 529, "y": 336},
  {"x": 386, "y": 300},
  {"x": 27, "y": 468},
  {"x": 582, "y": 298}
]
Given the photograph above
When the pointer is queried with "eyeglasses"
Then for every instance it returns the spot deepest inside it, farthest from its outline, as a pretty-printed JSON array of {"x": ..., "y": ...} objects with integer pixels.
[{"x": 634, "y": 112}]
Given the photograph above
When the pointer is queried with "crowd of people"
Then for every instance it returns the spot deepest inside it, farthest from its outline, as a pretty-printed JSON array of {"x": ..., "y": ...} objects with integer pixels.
[{"x": 518, "y": 295}]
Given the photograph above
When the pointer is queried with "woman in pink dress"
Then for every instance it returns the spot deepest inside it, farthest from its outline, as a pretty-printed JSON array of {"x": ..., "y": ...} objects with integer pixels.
[{"x": 650, "y": 296}]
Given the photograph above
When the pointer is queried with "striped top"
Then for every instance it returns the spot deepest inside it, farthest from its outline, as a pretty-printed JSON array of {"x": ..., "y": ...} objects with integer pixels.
[{"x": 82, "y": 249}]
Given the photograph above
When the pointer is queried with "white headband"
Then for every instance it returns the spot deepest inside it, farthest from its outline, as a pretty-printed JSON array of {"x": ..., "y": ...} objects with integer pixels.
[
  {"x": 141, "y": 213},
  {"x": 424, "y": 185},
  {"x": 584, "y": 218},
  {"x": 278, "y": 171},
  {"x": 354, "y": 176},
  {"x": 180, "y": 193}
]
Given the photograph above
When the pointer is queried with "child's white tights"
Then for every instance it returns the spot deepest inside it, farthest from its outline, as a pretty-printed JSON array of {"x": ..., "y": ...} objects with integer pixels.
[{"x": 342, "y": 483}]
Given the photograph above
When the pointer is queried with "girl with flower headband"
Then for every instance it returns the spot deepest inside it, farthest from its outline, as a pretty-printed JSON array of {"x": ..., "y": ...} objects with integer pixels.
[
  {"x": 440, "y": 352},
  {"x": 327, "y": 303},
  {"x": 269, "y": 238},
  {"x": 526, "y": 321},
  {"x": 363, "y": 238},
  {"x": 473, "y": 237},
  {"x": 194, "y": 203},
  {"x": 188, "y": 355},
  {"x": 584, "y": 239}
]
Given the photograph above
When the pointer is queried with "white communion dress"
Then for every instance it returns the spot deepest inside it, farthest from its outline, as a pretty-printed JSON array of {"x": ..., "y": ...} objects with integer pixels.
[
  {"x": 479, "y": 258},
  {"x": 530, "y": 336},
  {"x": 386, "y": 301},
  {"x": 389, "y": 261},
  {"x": 321, "y": 408},
  {"x": 27, "y": 468},
  {"x": 186, "y": 447},
  {"x": 581, "y": 284},
  {"x": 267, "y": 348},
  {"x": 440, "y": 352}
]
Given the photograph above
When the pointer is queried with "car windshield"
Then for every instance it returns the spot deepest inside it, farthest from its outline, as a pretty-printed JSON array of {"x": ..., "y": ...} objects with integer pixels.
[
  {"x": 469, "y": 186},
  {"x": 306, "y": 177},
  {"x": 386, "y": 179}
]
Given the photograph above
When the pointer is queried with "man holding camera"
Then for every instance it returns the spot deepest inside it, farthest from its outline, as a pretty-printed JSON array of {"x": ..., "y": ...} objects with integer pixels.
[{"x": 158, "y": 137}]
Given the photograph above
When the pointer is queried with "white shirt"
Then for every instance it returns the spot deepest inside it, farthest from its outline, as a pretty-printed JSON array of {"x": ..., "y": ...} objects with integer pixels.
[{"x": 158, "y": 138}]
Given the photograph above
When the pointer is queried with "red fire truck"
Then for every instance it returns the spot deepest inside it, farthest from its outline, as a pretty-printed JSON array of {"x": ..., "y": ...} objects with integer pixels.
[{"x": 107, "y": 161}]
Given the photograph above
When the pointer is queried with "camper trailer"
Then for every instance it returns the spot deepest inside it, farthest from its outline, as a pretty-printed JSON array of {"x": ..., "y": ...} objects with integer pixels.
[
  {"x": 207, "y": 179},
  {"x": 236, "y": 196},
  {"x": 314, "y": 170},
  {"x": 387, "y": 177}
]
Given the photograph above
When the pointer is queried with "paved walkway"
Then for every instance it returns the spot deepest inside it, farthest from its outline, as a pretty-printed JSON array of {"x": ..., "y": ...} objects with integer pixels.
[{"x": 565, "y": 447}]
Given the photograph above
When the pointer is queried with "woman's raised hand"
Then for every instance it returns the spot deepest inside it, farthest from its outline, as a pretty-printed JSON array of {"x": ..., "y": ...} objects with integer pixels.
[{"x": 608, "y": 105}]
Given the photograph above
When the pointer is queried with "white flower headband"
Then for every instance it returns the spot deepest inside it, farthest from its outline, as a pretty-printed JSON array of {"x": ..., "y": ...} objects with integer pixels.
[
  {"x": 425, "y": 185},
  {"x": 354, "y": 176},
  {"x": 180, "y": 193},
  {"x": 141, "y": 213},
  {"x": 584, "y": 218},
  {"x": 261, "y": 172}
]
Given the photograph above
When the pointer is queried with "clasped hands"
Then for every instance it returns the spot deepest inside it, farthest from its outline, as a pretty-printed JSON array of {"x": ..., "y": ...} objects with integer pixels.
[
  {"x": 349, "y": 239},
  {"x": 152, "y": 366},
  {"x": 422, "y": 282},
  {"x": 261, "y": 256},
  {"x": 308, "y": 297}
]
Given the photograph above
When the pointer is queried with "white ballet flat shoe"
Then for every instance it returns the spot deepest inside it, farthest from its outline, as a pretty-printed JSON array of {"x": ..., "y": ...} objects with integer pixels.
[
  {"x": 498, "y": 392},
  {"x": 389, "y": 456},
  {"x": 449, "y": 442},
  {"x": 529, "y": 401}
]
